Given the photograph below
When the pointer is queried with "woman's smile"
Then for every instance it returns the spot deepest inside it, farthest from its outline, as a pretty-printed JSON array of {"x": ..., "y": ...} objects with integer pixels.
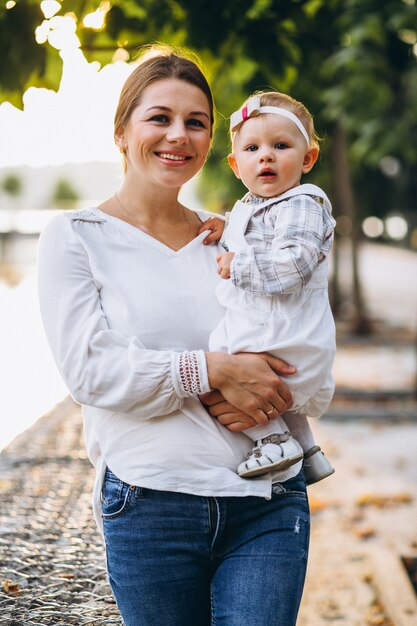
[{"x": 173, "y": 158}]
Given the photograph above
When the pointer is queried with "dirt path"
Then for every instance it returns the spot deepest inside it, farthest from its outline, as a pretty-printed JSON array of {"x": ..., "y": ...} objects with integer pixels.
[
  {"x": 364, "y": 518},
  {"x": 52, "y": 569}
]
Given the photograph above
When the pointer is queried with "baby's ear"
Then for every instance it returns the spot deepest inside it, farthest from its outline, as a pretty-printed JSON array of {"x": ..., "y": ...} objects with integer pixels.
[
  {"x": 310, "y": 158},
  {"x": 233, "y": 164}
]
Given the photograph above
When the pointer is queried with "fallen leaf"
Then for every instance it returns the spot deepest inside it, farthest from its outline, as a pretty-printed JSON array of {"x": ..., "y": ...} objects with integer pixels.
[
  {"x": 11, "y": 588},
  {"x": 383, "y": 501},
  {"x": 376, "y": 616},
  {"x": 317, "y": 505},
  {"x": 365, "y": 533}
]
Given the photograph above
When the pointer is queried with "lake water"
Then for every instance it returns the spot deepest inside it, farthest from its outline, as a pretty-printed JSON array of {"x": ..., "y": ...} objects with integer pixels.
[{"x": 29, "y": 382}]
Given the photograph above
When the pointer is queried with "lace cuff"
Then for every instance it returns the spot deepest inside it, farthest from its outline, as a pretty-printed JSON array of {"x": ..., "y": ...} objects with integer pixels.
[{"x": 189, "y": 373}]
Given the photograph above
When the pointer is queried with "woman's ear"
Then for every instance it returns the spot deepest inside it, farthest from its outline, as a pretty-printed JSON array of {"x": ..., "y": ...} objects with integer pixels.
[
  {"x": 233, "y": 164},
  {"x": 119, "y": 139},
  {"x": 310, "y": 158}
]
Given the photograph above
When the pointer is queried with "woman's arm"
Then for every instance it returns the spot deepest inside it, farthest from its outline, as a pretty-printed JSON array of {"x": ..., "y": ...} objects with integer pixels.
[{"x": 103, "y": 367}]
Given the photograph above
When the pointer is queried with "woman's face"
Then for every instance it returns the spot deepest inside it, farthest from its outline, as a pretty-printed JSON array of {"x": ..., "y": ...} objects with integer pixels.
[{"x": 168, "y": 135}]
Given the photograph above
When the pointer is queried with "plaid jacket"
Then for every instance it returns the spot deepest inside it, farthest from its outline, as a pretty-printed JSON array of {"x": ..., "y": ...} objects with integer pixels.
[{"x": 287, "y": 240}]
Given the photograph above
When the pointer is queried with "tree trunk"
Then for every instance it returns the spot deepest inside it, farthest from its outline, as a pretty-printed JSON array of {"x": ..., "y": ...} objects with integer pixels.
[
  {"x": 346, "y": 206},
  {"x": 334, "y": 286}
]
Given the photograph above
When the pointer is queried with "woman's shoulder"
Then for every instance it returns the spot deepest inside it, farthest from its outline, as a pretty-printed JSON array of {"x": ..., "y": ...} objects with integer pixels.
[
  {"x": 63, "y": 223},
  {"x": 91, "y": 214}
]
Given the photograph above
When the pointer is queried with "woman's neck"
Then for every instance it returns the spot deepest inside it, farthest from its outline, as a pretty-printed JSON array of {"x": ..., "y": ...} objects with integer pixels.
[
  {"x": 149, "y": 203},
  {"x": 157, "y": 212}
]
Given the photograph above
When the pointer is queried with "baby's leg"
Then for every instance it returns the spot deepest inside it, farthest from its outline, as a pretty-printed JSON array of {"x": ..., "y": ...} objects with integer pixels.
[
  {"x": 275, "y": 449},
  {"x": 274, "y": 426},
  {"x": 316, "y": 465},
  {"x": 300, "y": 429}
]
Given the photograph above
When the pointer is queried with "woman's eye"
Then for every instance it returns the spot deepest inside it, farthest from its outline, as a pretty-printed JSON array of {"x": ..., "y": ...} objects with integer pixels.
[
  {"x": 159, "y": 118},
  {"x": 195, "y": 122},
  {"x": 281, "y": 146},
  {"x": 252, "y": 148}
]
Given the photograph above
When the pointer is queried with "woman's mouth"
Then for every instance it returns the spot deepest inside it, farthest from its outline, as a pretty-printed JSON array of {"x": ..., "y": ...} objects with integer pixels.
[{"x": 174, "y": 157}]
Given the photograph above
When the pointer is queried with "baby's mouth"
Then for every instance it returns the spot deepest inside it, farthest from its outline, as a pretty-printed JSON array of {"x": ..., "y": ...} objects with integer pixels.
[{"x": 267, "y": 174}]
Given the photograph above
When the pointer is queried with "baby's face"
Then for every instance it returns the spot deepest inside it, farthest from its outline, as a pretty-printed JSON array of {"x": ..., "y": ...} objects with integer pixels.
[{"x": 270, "y": 155}]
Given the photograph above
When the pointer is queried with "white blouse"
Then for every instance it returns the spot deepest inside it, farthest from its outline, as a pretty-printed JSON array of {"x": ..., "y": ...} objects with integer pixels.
[{"x": 122, "y": 312}]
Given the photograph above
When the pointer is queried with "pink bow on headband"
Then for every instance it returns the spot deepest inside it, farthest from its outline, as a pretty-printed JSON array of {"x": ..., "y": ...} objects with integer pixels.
[
  {"x": 253, "y": 108},
  {"x": 249, "y": 110}
]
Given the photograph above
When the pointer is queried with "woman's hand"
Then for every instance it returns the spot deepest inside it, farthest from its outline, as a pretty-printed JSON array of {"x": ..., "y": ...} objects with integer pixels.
[
  {"x": 250, "y": 383},
  {"x": 225, "y": 413}
]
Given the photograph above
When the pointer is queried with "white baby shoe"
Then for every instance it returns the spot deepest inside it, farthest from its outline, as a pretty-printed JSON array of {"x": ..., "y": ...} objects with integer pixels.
[
  {"x": 316, "y": 466},
  {"x": 275, "y": 452}
]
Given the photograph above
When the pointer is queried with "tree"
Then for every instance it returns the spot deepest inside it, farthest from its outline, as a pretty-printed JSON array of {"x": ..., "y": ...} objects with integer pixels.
[
  {"x": 12, "y": 185},
  {"x": 64, "y": 194},
  {"x": 23, "y": 62}
]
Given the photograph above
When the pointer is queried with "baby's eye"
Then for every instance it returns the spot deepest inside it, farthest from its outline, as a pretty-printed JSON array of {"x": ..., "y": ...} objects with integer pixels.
[
  {"x": 252, "y": 148},
  {"x": 281, "y": 146},
  {"x": 195, "y": 122}
]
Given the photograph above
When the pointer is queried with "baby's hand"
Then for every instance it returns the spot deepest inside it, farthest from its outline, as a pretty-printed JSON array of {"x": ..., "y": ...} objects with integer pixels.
[
  {"x": 216, "y": 225},
  {"x": 224, "y": 262}
]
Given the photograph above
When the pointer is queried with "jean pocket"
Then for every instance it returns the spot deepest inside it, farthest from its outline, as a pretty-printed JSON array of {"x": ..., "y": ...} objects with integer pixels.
[
  {"x": 295, "y": 486},
  {"x": 115, "y": 496}
]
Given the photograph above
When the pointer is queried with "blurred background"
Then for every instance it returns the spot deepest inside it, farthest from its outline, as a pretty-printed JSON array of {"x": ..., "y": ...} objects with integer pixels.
[{"x": 354, "y": 64}]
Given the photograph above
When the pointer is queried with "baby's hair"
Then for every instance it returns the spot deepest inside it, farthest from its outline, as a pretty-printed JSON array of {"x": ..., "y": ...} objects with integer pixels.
[{"x": 277, "y": 99}]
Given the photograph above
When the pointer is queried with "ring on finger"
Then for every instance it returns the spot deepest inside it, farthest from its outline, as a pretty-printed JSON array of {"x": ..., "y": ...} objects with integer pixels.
[{"x": 271, "y": 410}]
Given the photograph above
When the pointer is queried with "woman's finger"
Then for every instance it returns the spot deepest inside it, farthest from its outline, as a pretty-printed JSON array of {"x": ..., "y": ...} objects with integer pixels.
[
  {"x": 221, "y": 407},
  {"x": 241, "y": 419},
  {"x": 212, "y": 397},
  {"x": 284, "y": 397},
  {"x": 278, "y": 365},
  {"x": 237, "y": 427}
]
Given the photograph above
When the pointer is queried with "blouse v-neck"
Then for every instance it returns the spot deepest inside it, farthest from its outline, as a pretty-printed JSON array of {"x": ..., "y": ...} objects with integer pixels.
[{"x": 150, "y": 239}]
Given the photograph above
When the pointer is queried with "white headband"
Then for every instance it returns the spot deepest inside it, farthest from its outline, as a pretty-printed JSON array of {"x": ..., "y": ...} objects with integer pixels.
[{"x": 253, "y": 108}]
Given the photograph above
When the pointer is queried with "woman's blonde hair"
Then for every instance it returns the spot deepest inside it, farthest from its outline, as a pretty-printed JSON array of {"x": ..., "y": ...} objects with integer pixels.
[{"x": 159, "y": 62}]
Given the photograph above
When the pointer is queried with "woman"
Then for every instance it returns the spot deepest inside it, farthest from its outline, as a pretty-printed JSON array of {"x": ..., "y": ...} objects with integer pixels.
[{"x": 127, "y": 298}]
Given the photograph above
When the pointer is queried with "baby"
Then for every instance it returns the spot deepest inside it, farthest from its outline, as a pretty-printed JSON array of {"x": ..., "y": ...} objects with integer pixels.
[{"x": 275, "y": 290}]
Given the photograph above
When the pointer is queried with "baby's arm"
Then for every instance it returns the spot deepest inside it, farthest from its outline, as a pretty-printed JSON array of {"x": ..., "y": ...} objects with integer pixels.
[
  {"x": 301, "y": 239},
  {"x": 216, "y": 225},
  {"x": 224, "y": 262}
]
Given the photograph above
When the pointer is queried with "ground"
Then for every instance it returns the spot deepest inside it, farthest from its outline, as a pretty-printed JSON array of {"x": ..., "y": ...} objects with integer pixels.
[{"x": 363, "y": 519}]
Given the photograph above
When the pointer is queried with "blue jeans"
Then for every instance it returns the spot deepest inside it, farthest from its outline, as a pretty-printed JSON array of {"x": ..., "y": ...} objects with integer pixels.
[{"x": 176, "y": 559}]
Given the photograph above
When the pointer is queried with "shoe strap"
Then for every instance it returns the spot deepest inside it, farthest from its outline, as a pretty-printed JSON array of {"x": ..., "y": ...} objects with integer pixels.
[
  {"x": 312, "y": 451},
  {"x": 276, "y": 438}
]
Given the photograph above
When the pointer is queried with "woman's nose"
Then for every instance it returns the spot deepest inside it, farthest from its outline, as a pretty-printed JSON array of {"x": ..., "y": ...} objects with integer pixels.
[{"x": 177, "y": 132}]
